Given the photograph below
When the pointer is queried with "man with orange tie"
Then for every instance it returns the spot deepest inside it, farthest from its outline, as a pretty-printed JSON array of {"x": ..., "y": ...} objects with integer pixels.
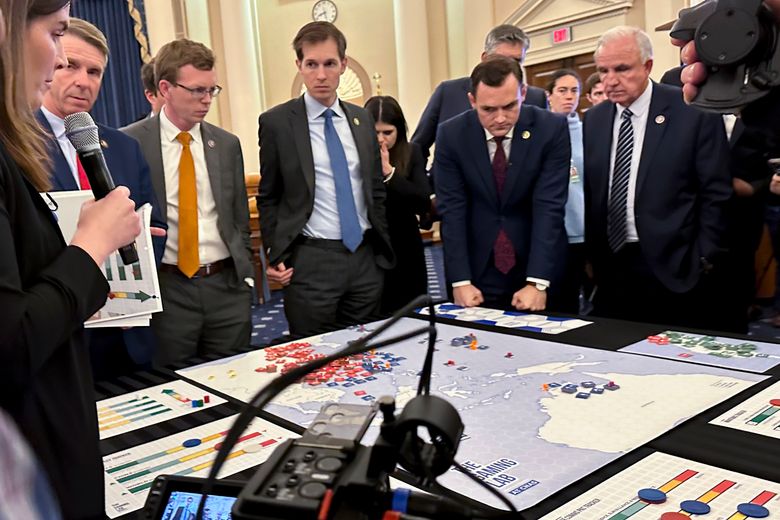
[
  {"x": 75, "y": 88},
  {"x": 198, "y": 169}
]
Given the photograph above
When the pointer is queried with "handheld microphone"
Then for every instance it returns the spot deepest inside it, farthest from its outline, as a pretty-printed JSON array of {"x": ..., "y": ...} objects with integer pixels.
[{"x": 82, "y": 132}]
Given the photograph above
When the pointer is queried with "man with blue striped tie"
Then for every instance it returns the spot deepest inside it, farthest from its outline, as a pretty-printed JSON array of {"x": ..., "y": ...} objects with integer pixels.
[
  {"x": 321, "y": 199},
  {"x": 656, "y": 193}
]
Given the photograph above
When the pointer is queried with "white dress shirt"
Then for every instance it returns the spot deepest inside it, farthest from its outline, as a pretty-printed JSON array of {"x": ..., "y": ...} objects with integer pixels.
[
  {"x": 324, "y": 221},
  {"x": 492, "y": 147},
  {"x": 641, "y": 109},
  {"x": 58, "y": 127},
  {"x": 211, "y": 248}
]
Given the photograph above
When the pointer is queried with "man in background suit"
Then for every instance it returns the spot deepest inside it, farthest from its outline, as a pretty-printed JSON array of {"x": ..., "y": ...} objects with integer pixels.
[
  {"x": 451, "y": 97},
  {"x": 150, "y": 88},
  {"x": 657, "y": 190},
  {"x": 198, "y": 170},
  {"x": 322, "y": 195},
  {"x": 75, "y": 88},
  {"x": 502, "y": 174}
]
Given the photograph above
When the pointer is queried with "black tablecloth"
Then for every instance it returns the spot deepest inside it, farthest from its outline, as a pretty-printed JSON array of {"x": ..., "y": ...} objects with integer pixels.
[{"x": 730, "y": 449}]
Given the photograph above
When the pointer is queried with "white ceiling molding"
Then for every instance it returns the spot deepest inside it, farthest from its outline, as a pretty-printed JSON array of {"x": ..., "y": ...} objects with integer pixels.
[{"x": 531, "y": 8}]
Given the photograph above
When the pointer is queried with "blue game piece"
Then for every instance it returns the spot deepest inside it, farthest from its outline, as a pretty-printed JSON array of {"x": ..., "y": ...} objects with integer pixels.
[
  {"x": 652, "y": 496},
  {"x": 588, "y": 384},
  {"x": 582, "y": 395},
  {"x": 694, "y": 507},
  {"x": 191, "y": 443},
  {"x": 569, "y": 389},
  {"x": 462, "y": 368},
  {"x": 483, "y": 347},
  {"x": 333, "y": 384},
  {"x": 371, "y": 378},
  {"x": 753, "y": 510},
  {"x": 456, "y": 342},
  {"x": 597, "y": 390},
  {"x": 555, "y": 385},
  {"x": 347, "y": 385}
]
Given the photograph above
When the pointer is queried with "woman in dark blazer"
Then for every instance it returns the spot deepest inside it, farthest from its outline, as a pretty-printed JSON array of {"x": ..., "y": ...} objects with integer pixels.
[
  {"x": 48, "y": 289},
  {"x": 408, "y": 195}
]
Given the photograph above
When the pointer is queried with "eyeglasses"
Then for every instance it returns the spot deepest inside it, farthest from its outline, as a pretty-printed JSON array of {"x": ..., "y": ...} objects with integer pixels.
[{"x": 200, "y": 92}]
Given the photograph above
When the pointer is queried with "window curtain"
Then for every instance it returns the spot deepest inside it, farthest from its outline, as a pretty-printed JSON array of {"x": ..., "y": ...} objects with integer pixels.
[{"x": 121, "y": 99}]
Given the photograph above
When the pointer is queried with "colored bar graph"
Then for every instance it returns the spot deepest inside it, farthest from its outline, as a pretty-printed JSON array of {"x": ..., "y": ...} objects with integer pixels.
[
  {"x": 763, "y": 415},
  {"x": 639, "y": 505},
  {"x": 109, "y": 275},
  {"x": 189, "y": 457},
  {"x": 121, "y": 269},
  {"x": 760, "y": 500},
  {"x": 153, "y": 411},
  {"x": 137, "y": 271}
]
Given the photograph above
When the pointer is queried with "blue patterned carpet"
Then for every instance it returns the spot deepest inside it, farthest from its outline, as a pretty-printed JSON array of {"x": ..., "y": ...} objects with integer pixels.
[{"x": 269, "y": 324}]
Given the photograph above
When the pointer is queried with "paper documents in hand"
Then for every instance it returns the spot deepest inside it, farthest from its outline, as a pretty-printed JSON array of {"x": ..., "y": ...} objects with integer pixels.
[{"x": 135, "y": 290}]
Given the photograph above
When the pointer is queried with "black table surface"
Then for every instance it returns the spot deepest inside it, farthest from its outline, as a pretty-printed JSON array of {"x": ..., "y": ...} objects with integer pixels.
[{"x": 695, "y": 439}]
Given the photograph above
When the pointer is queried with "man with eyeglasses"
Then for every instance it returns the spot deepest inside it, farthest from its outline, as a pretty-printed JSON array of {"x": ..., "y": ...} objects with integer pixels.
[
  {"x": 75, "y": 88},
  {"x": 198, "y": 169}
]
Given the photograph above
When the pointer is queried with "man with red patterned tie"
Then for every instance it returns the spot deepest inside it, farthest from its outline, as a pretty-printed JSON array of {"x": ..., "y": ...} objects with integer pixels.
[
  {"x": 74, "y": 88},
  {"x": 502, "y": 176}
]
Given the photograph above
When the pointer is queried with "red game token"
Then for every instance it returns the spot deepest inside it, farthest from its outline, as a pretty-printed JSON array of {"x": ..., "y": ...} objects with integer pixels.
[
  {"x": 775, "y": 402},
  {"x": 674, "y": 515}
]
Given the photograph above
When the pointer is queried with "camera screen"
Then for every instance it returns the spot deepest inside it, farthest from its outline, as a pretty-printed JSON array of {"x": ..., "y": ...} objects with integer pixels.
[{"x": 183, "y": 506}]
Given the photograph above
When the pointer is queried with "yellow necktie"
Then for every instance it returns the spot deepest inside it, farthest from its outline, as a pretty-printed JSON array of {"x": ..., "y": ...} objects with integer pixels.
[{"x": 189, "y": 261}]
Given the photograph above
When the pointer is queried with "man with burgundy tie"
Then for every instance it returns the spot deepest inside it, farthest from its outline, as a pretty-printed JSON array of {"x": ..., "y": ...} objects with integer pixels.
[
  {"x": 75, "y": 88},
  {"x": 656, "y": 193},
  {"x": 322, "y": 195},
  {"x": 502, "y": 174},
  {"x": 198, "y": 169}
]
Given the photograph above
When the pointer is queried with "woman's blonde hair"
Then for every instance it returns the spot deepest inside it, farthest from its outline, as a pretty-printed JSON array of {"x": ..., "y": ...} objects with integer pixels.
[{"x": 20, "y": 133}]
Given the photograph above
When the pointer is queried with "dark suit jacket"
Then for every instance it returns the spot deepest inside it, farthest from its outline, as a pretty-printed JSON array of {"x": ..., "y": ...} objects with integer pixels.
[
  {"x": 128, "y": 168},
  {"x": 47, "y": 290},
  {"x": 286, "y": 197},
  {"x": 225, "y": 164},
  {"x": 531, "y": 208},
  {"x": 682, "y": 190},
  {"x": 450, "y": 99}
]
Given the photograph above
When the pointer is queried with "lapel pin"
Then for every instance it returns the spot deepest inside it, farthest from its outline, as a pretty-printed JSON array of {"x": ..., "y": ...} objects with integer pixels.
[
  {"x": 211, "y": 143},
  {"x": 659, "y": 120},
  {"x": 526, "y": 134},
  {"x": 103, "y": 143},
  {"x": 356, "y": 121}
]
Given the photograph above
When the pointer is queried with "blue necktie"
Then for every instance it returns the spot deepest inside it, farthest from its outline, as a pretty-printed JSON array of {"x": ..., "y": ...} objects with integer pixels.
[
  {"x": 617, "y": 230},
  {"x": 351, "y": 234}
]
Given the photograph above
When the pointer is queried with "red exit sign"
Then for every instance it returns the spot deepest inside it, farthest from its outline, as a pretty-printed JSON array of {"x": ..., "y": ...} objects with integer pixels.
[{"x": 561, "y": 35}]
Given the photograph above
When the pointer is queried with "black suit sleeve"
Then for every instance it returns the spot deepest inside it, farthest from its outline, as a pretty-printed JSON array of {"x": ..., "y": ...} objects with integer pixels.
[
  {"x": 711, "y": 163},
  {"x": 413, "y": 188},
  {"x": 549, "y": 203},
  {"x": 39, "y": 318},
  {"x": 425, "y": 134},
  {"x": 271, "y": 183},
  {"x": 240, "y": 205}
]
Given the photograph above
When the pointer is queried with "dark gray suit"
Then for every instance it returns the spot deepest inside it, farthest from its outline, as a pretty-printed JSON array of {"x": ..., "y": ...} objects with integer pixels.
[
  {"x": 330, "y": 285},
  {"x": 207, "y": 313}
]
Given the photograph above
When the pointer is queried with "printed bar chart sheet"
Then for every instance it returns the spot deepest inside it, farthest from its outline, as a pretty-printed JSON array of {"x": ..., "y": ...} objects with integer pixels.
[
  {"x": 760, "y": 414},
  {"x": 136, "y": 410},
  {"x": 129, "y": 474}
]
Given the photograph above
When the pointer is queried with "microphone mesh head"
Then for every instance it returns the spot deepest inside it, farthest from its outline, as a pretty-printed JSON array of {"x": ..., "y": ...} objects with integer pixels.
[{"x": 82, "y": 132}]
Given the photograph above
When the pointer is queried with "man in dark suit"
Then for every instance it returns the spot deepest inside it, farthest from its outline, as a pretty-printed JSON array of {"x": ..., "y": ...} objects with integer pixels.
[
  {"x": 75, "y": 88},
  {"x": 502, "y": 175},
  {"x": 198, "y": 169},
  {"x": 657, "y": 190},
  {"x": 451, "y": 97},
  {"x": 322, "y": 195}
]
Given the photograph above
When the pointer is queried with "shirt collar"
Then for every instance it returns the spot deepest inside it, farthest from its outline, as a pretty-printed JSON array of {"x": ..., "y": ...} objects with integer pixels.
[
  {"x": 315, "y": 109},
  {"x": 56, "y": 122},
  {"x": 170, "y": 132},
  {"x": 489, "y": 136},
  {"x": 641, "y": 105}
]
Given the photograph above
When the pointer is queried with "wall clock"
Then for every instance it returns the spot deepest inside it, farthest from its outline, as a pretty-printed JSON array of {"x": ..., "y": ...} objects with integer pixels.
[{"x": 324, "y": 11}]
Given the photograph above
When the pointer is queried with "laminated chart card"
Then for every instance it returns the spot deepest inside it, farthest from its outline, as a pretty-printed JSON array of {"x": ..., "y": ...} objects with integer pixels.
[
  {"x": 760, "y": 414},
  {"x": 136, "y": 410}
]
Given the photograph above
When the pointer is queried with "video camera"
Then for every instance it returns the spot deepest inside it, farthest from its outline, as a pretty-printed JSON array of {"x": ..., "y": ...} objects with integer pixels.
[
  {"x": 738, "y": 42},
  {"x": 327, "y": 474}
]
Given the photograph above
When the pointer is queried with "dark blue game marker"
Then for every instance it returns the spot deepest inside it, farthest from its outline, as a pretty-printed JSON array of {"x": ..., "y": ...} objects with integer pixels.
[
  {"x": 191, "y": 443},
  {"x": 694, "y": 507},
  {"x": 652, "y": 496},
  {"x": 753, "y": 510}
]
